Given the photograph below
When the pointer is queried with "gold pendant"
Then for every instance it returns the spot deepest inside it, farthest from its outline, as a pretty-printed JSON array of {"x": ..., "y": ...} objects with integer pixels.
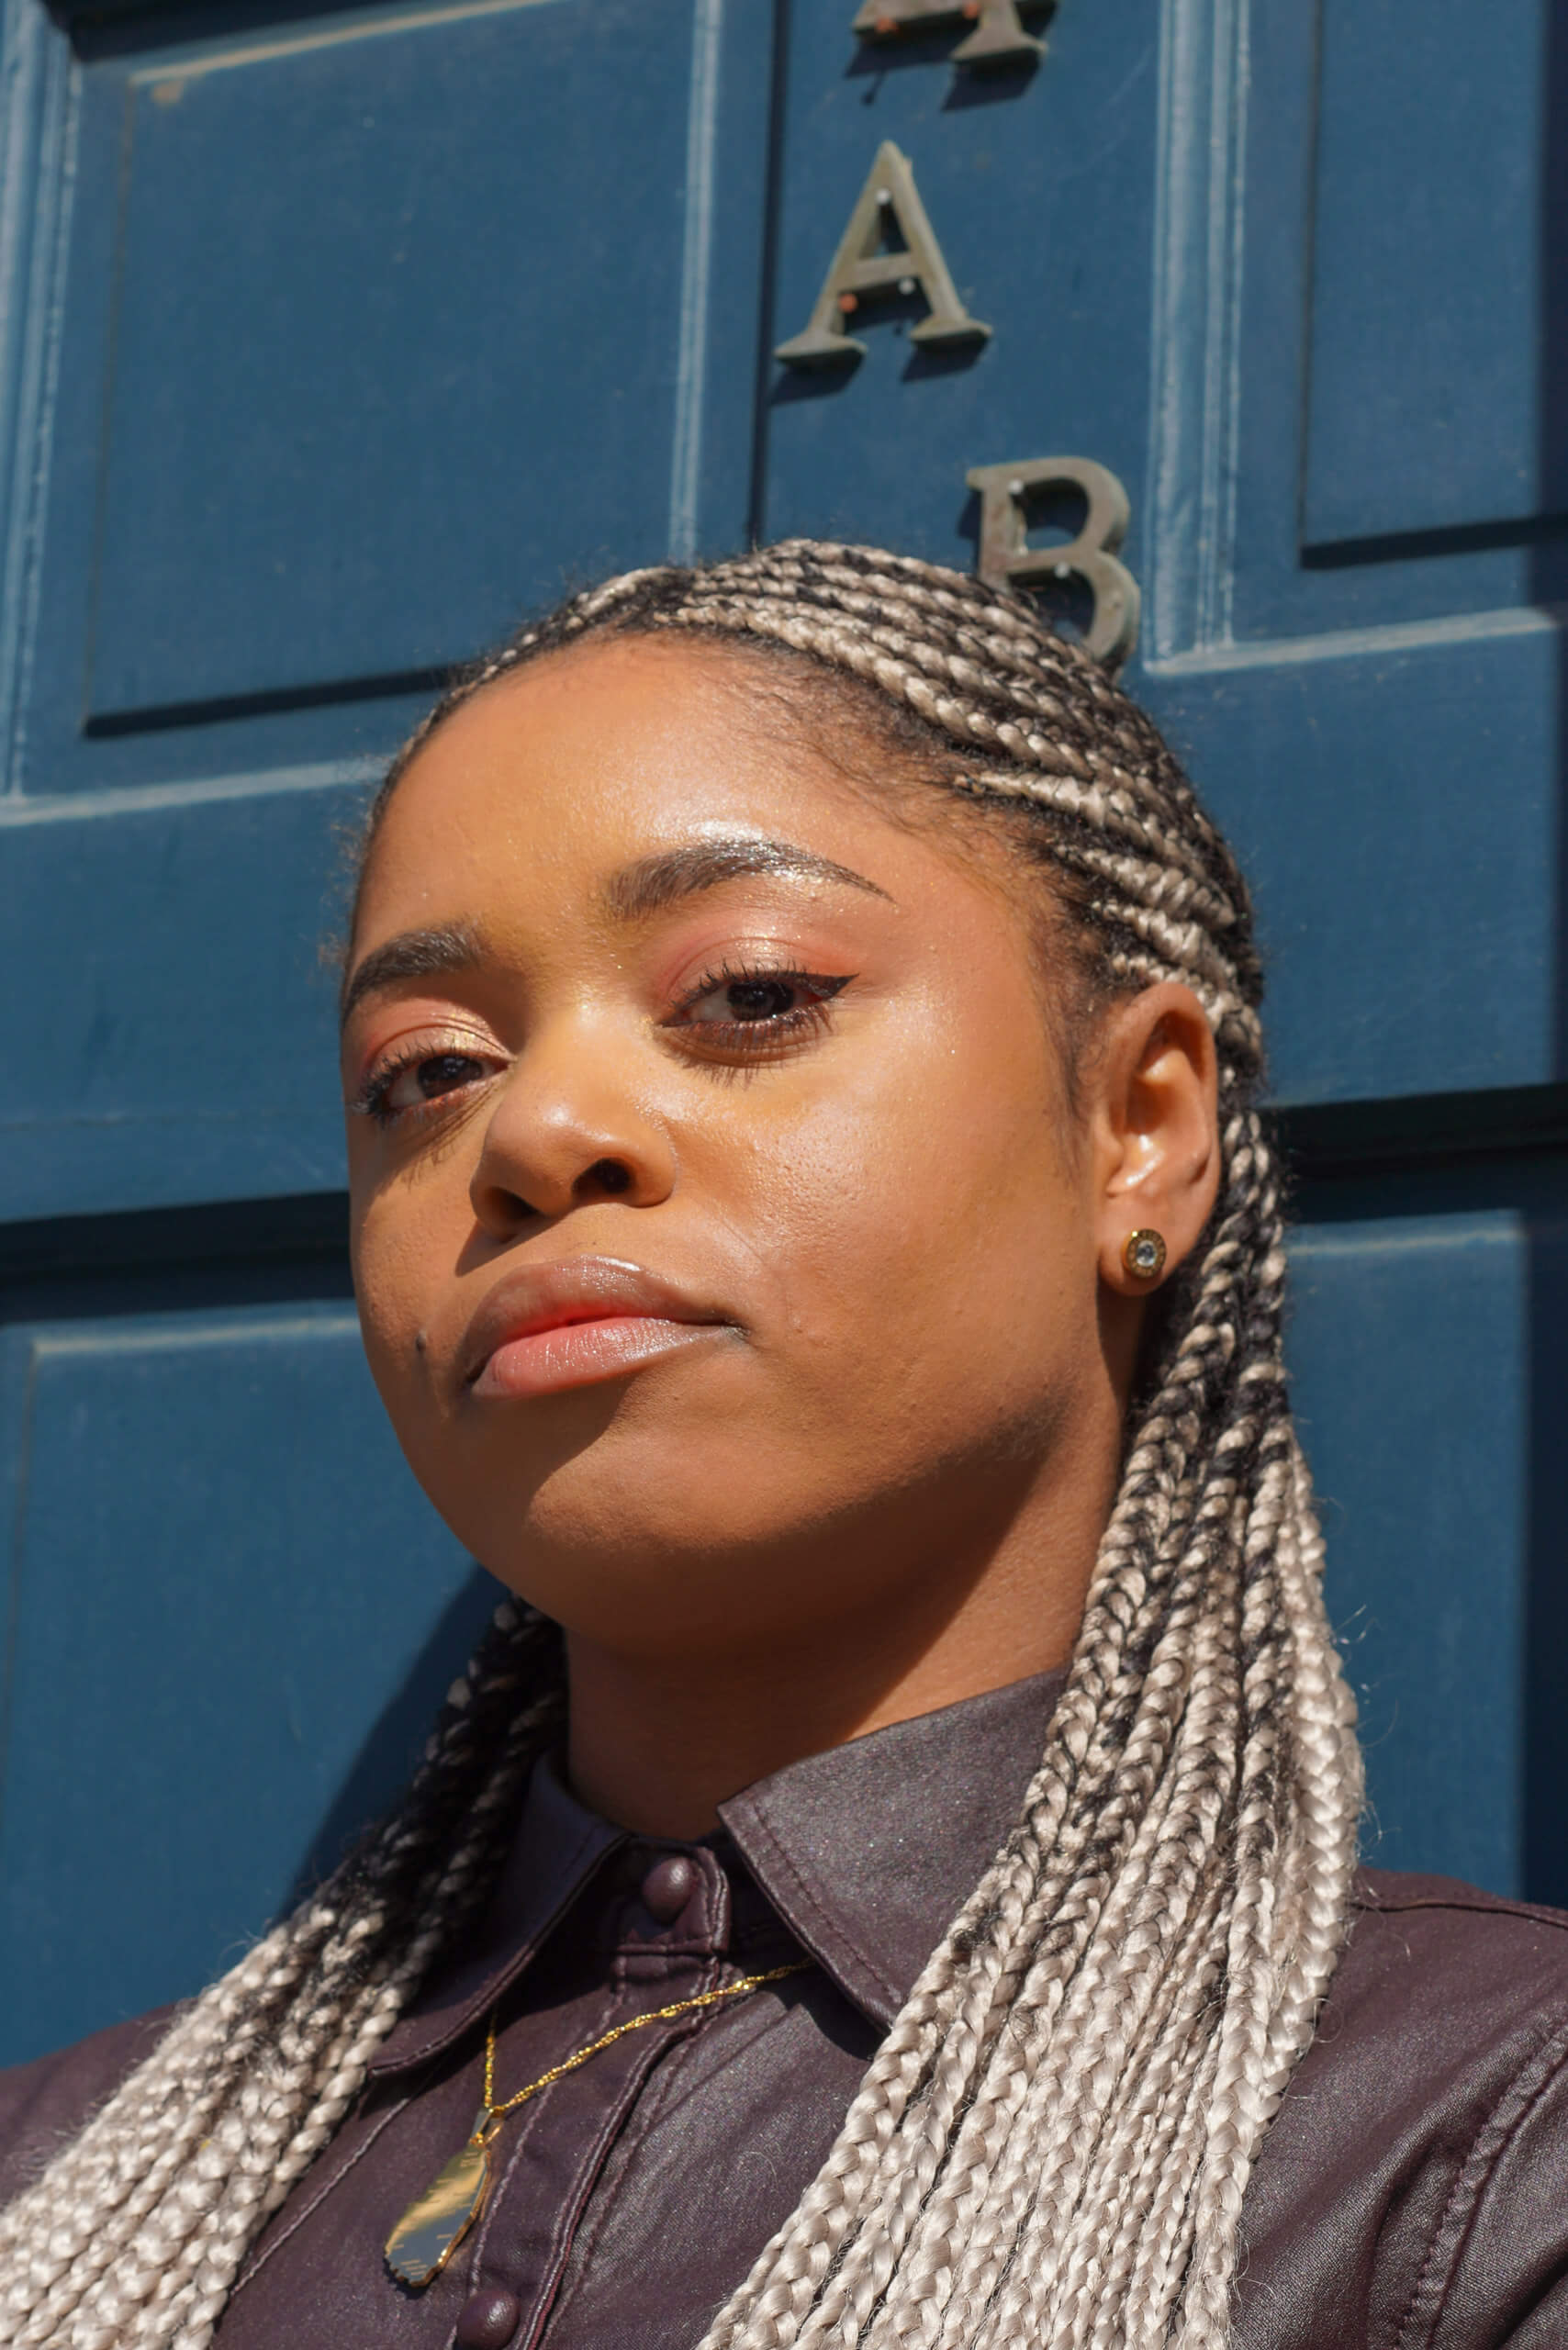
[{"x": 432, "y": 2229}]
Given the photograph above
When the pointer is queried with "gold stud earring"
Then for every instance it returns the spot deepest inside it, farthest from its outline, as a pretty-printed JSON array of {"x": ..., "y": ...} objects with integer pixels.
[{"x": 1143, "y": 1254}]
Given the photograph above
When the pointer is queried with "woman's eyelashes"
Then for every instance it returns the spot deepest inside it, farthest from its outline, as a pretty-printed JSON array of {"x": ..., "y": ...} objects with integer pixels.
[
  {"x": 751, "y": 1012},
  {"x": 421, "y": 1076}
]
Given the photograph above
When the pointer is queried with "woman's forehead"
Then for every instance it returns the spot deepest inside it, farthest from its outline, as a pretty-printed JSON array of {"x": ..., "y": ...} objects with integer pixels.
[{"x": 605, "y": 756}]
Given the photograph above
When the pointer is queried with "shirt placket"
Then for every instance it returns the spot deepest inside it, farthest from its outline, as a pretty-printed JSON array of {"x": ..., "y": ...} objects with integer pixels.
[{"x": 669, "y": 1931}]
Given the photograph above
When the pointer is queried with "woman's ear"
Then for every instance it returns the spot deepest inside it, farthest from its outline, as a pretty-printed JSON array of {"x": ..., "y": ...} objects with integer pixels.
[{"x": 1154, "y": 1123}]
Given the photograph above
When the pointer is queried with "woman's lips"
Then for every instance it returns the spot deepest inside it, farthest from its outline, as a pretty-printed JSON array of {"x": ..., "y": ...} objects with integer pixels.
[
  {"x": 546, "y": 1328},
  {"x": 575, "y": 1354}
]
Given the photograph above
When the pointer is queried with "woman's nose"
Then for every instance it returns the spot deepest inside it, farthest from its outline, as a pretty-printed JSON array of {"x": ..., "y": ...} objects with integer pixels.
[{"x": 564, "y": 1134}]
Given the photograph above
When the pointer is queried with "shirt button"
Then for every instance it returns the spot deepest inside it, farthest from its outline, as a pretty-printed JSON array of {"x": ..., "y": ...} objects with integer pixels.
[
  {"x": 489, "y": 2321},
  {"x": 668, "y": 1886}
]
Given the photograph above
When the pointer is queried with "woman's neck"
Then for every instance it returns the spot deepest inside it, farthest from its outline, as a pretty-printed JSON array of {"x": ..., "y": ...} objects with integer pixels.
[{"x": 658, "y": 1743}]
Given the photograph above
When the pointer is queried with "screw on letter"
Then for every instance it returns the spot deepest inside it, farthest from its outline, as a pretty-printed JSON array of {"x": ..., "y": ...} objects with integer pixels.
[
  {"x": 858, "y": 268},
  {"x": 1007, "y": 559},
  {"x": 998, "y": 37}
]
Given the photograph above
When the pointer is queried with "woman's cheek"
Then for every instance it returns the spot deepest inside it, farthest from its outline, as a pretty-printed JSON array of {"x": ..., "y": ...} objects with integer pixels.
[
  {"x": 391, "y": 1271},
  {"x": 848, "y": 1233},
  {"x": 952, "y": 1242}
]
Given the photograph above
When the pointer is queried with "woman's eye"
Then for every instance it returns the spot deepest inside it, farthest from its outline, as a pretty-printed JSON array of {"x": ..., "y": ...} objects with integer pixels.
[
  {"x": 771, "y": 1000},
  {"x": 416, "y": 1083},
  {"x": 427, "y": 1080}
]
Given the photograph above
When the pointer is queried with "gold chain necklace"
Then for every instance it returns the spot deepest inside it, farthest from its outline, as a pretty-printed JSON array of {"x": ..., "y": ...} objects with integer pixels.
[{"x": 432, "y": 2227}]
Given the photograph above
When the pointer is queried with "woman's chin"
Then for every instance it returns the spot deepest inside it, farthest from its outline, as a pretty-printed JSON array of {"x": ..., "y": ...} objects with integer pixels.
[{"x": 650, "y": 1560}]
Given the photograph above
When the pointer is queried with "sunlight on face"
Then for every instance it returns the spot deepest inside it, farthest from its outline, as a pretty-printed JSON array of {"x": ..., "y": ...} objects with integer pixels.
[{"x": 718, "y": 1253}]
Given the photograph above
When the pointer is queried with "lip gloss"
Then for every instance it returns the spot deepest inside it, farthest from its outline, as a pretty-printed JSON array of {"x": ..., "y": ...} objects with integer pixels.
[{"x": 579, "y": 1354}]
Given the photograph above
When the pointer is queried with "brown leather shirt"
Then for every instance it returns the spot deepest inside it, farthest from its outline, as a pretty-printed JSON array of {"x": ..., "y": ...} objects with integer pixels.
[{"x": 1412, "y": 2194}]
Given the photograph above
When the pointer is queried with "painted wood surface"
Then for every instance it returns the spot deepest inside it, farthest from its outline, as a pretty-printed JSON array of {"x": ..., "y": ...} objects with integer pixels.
[{"x": 331, "y": 341}]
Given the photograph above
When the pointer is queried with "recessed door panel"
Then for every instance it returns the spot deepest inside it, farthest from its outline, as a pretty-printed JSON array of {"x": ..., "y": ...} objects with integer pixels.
[
  {"x": 1396, "y": 810},
  {"x": 1038, "y": 191},
  {"x": 1428, "y": 1368},
  {"x": 232, "y": 1618},
  {"x": 175, "y": 956},
  {"x": 336, "y": 443},
  {"x": 331, "y": 411},
  {"x": 1436, "y": 250}
]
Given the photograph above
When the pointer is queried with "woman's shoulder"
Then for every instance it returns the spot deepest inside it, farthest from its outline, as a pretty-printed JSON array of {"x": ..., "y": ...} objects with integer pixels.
[
  {"x": 1433, "y": 1937},
  {"x": 1391, "y": 1893},
  {"x": 1411, "y": 2186},
  {"x": 1444, "y": 1982},
  {"x": 44, "y": 2103}
]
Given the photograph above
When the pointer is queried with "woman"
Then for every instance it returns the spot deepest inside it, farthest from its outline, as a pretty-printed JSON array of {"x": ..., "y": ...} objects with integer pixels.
[{"x": 816, "y": 1245}]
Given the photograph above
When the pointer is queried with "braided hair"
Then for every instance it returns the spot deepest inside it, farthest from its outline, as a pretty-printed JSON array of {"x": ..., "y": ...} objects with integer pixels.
[{"x": 1053, "y": 2142}]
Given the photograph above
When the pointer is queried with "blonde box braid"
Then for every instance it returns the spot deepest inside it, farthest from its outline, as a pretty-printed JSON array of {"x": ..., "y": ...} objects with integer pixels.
[
  {"x": 1052, "y": 2145},
  {"x": 134, "y": 2234}
]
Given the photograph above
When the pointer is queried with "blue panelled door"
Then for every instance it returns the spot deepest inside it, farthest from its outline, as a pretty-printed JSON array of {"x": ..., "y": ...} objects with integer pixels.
[{"x": 331, "y": 341}]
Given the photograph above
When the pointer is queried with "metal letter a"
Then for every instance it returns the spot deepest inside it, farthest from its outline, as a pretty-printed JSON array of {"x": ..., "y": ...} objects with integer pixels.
[{"x": 860, "y": 268}]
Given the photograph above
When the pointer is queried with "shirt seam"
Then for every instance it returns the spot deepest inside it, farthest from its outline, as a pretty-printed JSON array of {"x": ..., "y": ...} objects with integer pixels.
[
  {"x": 1524, "y": 1913},
  {"x": 642, "y": 2118},
  {"x": 1450, "y": 2236},
  {"x": 565, "y": 2227},
  {"x": 316, "y": 2201}
]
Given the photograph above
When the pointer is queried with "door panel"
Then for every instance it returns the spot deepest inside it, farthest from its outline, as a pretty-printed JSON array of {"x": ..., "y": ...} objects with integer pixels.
[
  {"x": 332, "y": 341},
  {"x": 1431, "y": 257},
  {"x": 1395, "y": 802},
  {"x": 315, "y": 370},
  {"x": 187, "y": 1046},
  {"x": 222, "y": 1586},
  {"x": 1428, "y": 1368},
  {"x": 332, "y": 427},
  {"x": 1041, "y": 197},
  {"x": 1331, "y": 504}
]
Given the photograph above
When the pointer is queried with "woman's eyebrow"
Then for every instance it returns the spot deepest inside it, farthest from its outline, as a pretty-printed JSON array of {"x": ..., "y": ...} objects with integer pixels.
[
  {"x": 654, "y": 883},
  {"x": 637, "y": 889},
  {"x": 411, "y": 955}
]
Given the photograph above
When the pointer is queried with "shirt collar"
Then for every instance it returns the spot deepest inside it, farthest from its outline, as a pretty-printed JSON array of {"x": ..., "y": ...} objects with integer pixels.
[
  {"x": 558, "y": 1846},
  {"x": 870, "y": 1851},
  {"x": 866, "y": 1851}
]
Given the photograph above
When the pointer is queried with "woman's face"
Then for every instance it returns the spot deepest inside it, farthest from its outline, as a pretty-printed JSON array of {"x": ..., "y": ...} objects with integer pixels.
[{"x": 725, "y": 1257}]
